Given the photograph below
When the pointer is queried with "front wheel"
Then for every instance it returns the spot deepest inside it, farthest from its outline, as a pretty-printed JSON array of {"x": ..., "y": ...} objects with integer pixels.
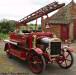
[
  {"x": 66, "y": 59},
  {"x": 36, "y": 62}
]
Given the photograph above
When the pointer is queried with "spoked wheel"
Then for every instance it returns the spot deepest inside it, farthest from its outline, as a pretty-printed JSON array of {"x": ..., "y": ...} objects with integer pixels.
[
  {"x": 36, "y": 62},
  {"x": 66, "y": 60}
]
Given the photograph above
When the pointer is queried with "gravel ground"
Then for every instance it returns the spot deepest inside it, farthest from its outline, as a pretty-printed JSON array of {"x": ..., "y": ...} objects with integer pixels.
[{"x": 15, "y": 67}]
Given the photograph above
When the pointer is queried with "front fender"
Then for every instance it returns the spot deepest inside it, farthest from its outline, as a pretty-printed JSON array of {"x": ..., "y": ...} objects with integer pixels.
[
  {"x": 37, "y": 50},
  {"x": 68, "y": 48}
]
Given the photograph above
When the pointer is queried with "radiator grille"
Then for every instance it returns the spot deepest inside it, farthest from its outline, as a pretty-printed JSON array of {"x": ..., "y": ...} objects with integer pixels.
[{"x": 55, "y": 48}]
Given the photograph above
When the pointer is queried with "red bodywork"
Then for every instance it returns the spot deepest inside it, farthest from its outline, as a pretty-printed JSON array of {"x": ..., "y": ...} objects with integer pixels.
[
  {"x": 23, "y": 40},
  {"x": 29, "y": 37}
]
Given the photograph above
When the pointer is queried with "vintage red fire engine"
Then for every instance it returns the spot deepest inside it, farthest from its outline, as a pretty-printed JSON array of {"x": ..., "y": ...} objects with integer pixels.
[{"x": 39, "y": 49}]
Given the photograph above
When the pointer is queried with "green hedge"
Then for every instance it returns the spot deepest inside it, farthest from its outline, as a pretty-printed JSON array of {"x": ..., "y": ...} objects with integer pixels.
[{"x": 3, "y": 36}]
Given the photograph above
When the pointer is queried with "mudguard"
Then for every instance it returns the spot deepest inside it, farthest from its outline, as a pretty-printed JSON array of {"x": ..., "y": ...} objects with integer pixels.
[
  {"x": 7, "y": 44},
  {"x": 37, "y": 50},
  {"x": 68, "y": 48}
]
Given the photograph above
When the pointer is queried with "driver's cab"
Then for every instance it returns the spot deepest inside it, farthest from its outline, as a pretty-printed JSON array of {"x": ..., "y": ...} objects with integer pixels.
[{"x": 23, "y": 30}]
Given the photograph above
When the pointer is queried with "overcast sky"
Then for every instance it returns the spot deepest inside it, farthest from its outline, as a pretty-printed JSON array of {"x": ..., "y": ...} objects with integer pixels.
[{"x": 17, "y": 9}]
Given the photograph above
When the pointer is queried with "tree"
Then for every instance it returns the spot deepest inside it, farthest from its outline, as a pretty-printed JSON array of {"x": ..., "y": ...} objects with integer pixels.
[{"x": 7, "y": 26}]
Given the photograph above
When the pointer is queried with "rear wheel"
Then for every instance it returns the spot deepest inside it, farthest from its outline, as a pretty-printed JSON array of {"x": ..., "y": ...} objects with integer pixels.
[
  {"x": 66, "y": 60},
  {"x": 36, "y": 62},
  {"x": 8, "y": 54},
  {"x": 8, "y": 51}
]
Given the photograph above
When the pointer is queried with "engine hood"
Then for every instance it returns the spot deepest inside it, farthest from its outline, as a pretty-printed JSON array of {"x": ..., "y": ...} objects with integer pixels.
[{"x": 47, "y": 40}]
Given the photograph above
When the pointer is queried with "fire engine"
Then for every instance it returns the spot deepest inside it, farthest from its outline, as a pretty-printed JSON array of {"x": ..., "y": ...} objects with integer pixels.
[{"x": 38, "y": 48}]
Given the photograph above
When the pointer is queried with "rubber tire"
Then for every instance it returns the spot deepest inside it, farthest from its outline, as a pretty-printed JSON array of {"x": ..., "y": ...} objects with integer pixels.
[
  {"x": 9, "y": 55},
  {"x": 43, "y": 61}
]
